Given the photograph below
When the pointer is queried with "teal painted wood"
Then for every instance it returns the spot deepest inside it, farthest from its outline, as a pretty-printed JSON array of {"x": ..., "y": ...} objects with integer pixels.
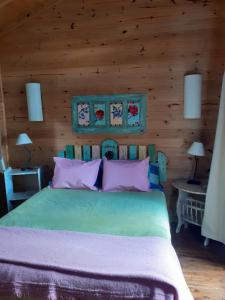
[
  {"x": 78, "y": 152},
  {"x": 70, "y": 151},
  {"x": 152, "y": 153},
  {"x": 61, "y": 154},
  {"x": 133, "y": 152},
  {"x": 142, "y": 152},
  {"x": 92, "y": 152},
  {"x": 162, "y": 161},
  {"x": 140, "y": 99},
  {"x": 110, "y": 145},
  {"x": 86, "y": 152},
  {"x": 95, "y": 152},
  {"x": 123, "y": 152}
]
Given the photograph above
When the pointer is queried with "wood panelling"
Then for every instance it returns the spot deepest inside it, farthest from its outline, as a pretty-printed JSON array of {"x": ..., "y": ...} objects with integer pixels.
[
  {"x": 13, "y": 12},
  {"x": 105, "y": 47},
  {"x": 3, "y": 131}
]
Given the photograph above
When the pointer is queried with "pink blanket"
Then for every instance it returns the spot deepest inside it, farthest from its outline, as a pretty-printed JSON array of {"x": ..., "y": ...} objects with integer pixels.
[{"x": 53, "y": 264}]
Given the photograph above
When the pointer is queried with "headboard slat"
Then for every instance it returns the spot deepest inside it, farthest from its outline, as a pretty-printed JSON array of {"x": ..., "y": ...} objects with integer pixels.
[
  {"x": 70, "y": 151},
  {"x": 142, "y": 152},
  {"x": 123, "y": 152},
  {"x": 86, "y": 152},
  {"x": 110, "y": 146},
  {"x": 162, "y": 161},
  {"x": 152, "y": 153},
  {"x": 95, "y": 151},
  {"x": 132, "y": 152},
  {"x": 61, "y": 153},
  {"x": 78, "y": 152}
]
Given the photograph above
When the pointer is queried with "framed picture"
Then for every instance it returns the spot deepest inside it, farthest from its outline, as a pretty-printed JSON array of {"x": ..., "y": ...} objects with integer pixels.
[
  {"x": 116, "y": 114},
  {"x": 133, "y": 114},
  {"x": 99, "y": 114},
  {"x": 83, "y": 114}
]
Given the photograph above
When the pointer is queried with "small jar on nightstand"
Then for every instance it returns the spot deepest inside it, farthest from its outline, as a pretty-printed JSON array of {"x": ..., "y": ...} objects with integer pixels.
[
  {"x": 190, "y": 203},
  {"x": 11, "y": 194}
]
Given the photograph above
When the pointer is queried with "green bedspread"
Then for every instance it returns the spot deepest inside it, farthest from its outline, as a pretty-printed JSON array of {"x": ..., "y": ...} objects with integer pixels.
[{"x": 125, "y": 213}]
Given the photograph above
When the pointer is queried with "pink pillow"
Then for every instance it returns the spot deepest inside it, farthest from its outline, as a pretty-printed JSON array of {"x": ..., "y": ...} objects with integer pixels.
[
  {"x": 125, "y": 175},
  {"x": 75, "y": 174}
]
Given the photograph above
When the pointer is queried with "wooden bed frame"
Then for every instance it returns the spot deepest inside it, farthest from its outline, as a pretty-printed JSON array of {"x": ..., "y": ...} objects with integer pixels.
[{"x": 112, "y": 150}]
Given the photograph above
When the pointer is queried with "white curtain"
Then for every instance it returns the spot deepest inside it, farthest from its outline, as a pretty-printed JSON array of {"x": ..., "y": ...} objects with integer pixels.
[{"x": 213, "y": 226}]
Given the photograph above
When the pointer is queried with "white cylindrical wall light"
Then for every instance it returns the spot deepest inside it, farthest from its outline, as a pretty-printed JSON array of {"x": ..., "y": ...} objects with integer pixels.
[
  {"x": 34, "y": 103},
  {"x": 192, "y": 96}
]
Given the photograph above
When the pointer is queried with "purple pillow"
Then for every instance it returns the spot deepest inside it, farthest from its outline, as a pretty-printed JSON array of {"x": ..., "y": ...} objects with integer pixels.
[
  {"x": 75, "y": 174},
  {"x": 125, "y": 175}
]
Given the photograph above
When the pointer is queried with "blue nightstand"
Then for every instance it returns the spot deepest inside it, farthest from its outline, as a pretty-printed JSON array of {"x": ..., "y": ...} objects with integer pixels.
[{"x": 11, "y": 195}]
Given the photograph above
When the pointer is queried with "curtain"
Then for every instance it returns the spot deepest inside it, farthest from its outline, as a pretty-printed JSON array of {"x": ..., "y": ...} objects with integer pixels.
[{"x": 213, "y": 226}]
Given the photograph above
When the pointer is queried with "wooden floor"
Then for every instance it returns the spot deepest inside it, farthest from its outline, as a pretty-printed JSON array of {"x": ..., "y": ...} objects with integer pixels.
[{"x": 203, "y": 267}]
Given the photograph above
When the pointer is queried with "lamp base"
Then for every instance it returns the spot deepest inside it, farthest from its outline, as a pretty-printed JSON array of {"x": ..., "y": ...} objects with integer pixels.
[{"x": 194, "y": 181}]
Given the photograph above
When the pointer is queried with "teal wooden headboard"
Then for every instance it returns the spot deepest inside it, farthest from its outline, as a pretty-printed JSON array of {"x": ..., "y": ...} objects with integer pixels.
[{"x": 115, "y": 151}]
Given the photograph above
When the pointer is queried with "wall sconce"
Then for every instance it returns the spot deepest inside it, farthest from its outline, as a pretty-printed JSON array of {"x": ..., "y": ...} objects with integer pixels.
[
  {"x": 192, "y": 96},
  {"x": 34, "y": 103}
]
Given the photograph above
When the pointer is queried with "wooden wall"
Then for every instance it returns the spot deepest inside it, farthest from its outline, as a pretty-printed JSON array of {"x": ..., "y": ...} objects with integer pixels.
[
  {"x": 111, "y": 46},
  {"x": 3, "y": 130},
  {"x": 3, "y": 145}
]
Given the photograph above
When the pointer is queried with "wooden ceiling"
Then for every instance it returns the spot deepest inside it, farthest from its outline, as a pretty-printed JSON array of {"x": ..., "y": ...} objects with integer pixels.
[{"x": 13, "y": 12}]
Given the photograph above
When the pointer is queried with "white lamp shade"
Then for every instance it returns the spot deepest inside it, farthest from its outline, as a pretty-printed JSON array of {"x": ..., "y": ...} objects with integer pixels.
[
  {"x": 23, "y": 139},
  {"x": 196, "y": 149},
  {"x": 34, "y": 103},
  {"x": 192, "y": 96}
]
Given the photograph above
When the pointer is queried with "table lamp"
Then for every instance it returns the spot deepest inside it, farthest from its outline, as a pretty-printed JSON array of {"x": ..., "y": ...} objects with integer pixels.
[
  {"x": 197, "y": 150},
  {"x": 23, "y": 140}
]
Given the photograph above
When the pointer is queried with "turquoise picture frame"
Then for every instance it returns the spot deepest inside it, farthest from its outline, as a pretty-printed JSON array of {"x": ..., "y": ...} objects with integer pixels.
[{"x": 112, "y": 115}]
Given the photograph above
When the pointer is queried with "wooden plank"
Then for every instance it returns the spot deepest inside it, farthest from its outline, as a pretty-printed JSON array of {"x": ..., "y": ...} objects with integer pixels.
[
  {"x": 152, "y": 153},
  {"x": 123, "y": 152},
  {"x": 162, "y": 161},
  {"x": 60, "y": 153},
  {"x": 70, "y": 151},
  {"x": 95, "y": 151},
  {"x": 13, "y": 12},
  {"x": 3, "y": 129},
  {"x": 132, "y": 152},
  {"x": 86, "y": 152},
  {"x": 142, "y": 152},
  {"x": 110, "y": 146},
  {"x": 78, "y": 152}
]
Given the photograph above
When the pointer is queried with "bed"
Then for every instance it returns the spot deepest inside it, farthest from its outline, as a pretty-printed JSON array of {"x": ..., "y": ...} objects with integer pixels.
[{"x": 77, "y": 244}]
